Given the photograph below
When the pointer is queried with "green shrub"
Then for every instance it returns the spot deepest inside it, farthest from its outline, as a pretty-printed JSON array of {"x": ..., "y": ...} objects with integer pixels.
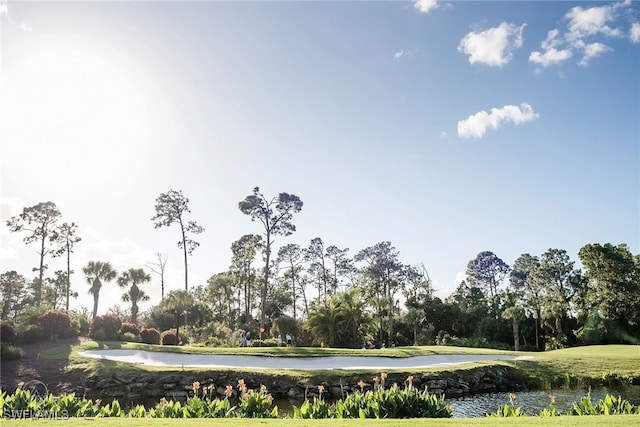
[
  {"x": 169, "y": 337},
  {"x": 610, "y": 405},
  {"x": 167, "y": 409},
  {"x": 129, "y": 337},
  {"x": 138, "y": 411},
  {"x": 108, "y": 324},
  {"x": 80, "y": 322},
  {"x": 110, "y": 410},
  {"x": 393, "y": 403},
  {"x": 255, "y": 404},
  {"x": 318, "y": 409},
  {"x": 269, "y": 342},
  {"x": 150, "y": 336},
  {"x": 7, "y": 332},
  {"x": 129, "y": 327},
  {"x": 30, "y": 334},
  {"x": 10, "y": 352},
  {"x": 55, "y": 324}
]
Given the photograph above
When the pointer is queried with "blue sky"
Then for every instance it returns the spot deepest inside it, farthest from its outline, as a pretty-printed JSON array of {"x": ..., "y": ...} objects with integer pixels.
[{"x": 447, "y": 128}]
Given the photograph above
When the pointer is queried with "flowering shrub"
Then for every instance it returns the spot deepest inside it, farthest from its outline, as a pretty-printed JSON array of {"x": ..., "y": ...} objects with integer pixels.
[
  {"x": 169, "y": 337},
  {"x": 129, "y": 327},
  {"x": 55, "y": 324},
  {"x": 105, "y": 327},
  {"x": 7, "y": 332},
  {"x": 150, "y": 336}
]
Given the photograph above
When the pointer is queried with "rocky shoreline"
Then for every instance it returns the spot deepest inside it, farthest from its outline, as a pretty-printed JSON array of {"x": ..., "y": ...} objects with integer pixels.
[{"x": 179, "y": 386}]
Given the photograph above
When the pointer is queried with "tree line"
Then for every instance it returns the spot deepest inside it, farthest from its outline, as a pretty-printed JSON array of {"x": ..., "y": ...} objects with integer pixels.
[{"x": 326, "y": 296}]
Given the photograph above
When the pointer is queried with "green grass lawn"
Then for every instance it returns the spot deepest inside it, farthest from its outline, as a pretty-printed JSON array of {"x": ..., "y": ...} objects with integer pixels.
[
  {"x": 549, "y": 369},
  {"x": 615, "y": 420}
]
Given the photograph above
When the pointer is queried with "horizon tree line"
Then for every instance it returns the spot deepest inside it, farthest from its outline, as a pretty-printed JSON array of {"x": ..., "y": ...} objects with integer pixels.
[{"x": 540, "y": 300}]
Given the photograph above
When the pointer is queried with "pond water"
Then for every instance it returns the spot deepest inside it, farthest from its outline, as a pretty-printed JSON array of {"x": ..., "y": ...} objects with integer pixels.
[{"x": 532, "y": 402}]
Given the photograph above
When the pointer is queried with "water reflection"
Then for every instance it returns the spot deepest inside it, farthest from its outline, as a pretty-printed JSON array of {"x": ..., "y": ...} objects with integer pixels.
[{"x": 533, "y": 401}]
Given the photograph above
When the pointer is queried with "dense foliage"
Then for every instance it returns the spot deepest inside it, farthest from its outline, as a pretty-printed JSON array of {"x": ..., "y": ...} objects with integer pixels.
[
  {"x": 150, "y": 336},
  {"x": 105, "y": 327},
  {"x": 7, "y": 332},
  {"x": 55, "y": 324},
  {"x": 169, "y": 337},
  {"x": 130, "y": 328},
  {"x": 320, "y": 294},
  {"x": 391, "y": 403}
]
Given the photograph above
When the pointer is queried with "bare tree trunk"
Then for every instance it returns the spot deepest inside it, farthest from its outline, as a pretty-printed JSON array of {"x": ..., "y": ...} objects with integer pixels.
[
  {"x": 263, "y": 296},
  {"x": 68, "y": 275},
  {"x": 39, "y": 284}
]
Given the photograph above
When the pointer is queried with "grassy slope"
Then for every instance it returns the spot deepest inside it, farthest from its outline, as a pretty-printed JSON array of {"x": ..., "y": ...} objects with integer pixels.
[{"x": 550, "y": 368}]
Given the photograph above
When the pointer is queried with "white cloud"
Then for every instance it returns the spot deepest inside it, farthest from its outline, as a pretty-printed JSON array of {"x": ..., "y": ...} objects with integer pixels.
[
  {"x": 583, "y": 26},
  {"x": 443, "y": 134},
  {"x": 477, "y": 124},
  {"x": 634, "y": 33},
  {"x": 425, "y": 6},
  {"x": 592, "y": 50},
  {"x": 404, "y": 54},
  {"x": 494, "y": 46},
  {"x": 4, "y": 9},
  {"x": 591, "y": 21},
  {"x": 551, "y": 56}
]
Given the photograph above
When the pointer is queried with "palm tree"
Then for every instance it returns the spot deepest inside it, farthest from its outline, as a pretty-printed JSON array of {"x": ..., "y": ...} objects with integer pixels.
[
  {"x": 96, "y": 272},
  {"x": 351, "y": 307},
  {"x": 324, "y": 323},
  {"x": 178, "y": 302},
  {"x": 135, "y": 277}
]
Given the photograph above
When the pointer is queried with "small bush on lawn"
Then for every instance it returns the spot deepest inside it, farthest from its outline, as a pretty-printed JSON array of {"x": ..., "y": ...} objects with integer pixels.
[
  {"x": 10, "y": 352},
  {"x": 7, "y": 332},
  {"x": 129, "y": 327},
  {"x": 129, "y": 337},
  {"x": 169, "y": 337},
  {"x": 269, "y": 342},
  {"x": 108, "y": 324},
  {"x": 150, "y": 336},
  {"x": 55, "y": 324}
]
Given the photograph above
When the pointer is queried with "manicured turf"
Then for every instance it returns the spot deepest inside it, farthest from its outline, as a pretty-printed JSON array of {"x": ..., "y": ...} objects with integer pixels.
[{"x": 615, "y": 420}]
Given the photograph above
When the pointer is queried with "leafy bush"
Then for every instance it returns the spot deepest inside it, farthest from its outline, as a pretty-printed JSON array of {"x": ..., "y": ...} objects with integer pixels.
[
  {"x": 610, "y": 405},
  {"x": 509, "y": 410},
  {"x": 269, "y": 342},
  {"x": 150, "y": 336},
  {"x": 80, "y": 321},
  {"x": 316, "y": 409},
  {"x": 10, "y": 352},
  {"x": 30, "y": 334},
  {"x": 214, "y": 334},
  {"x": 7, "y": 332},
  {"x": 129, "y": 327},
  {"x": 108, "y": 324},
  {"x": 379, "y": 403},
  {"x": 129, "y": 337},
  {"x": 393, "y": 403},
  {"x": 169, "y": 337},
  {"x": 55, "y": 324},
  {"x": 255, "y": 404},
  {"x": 185, "y": 336}
]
